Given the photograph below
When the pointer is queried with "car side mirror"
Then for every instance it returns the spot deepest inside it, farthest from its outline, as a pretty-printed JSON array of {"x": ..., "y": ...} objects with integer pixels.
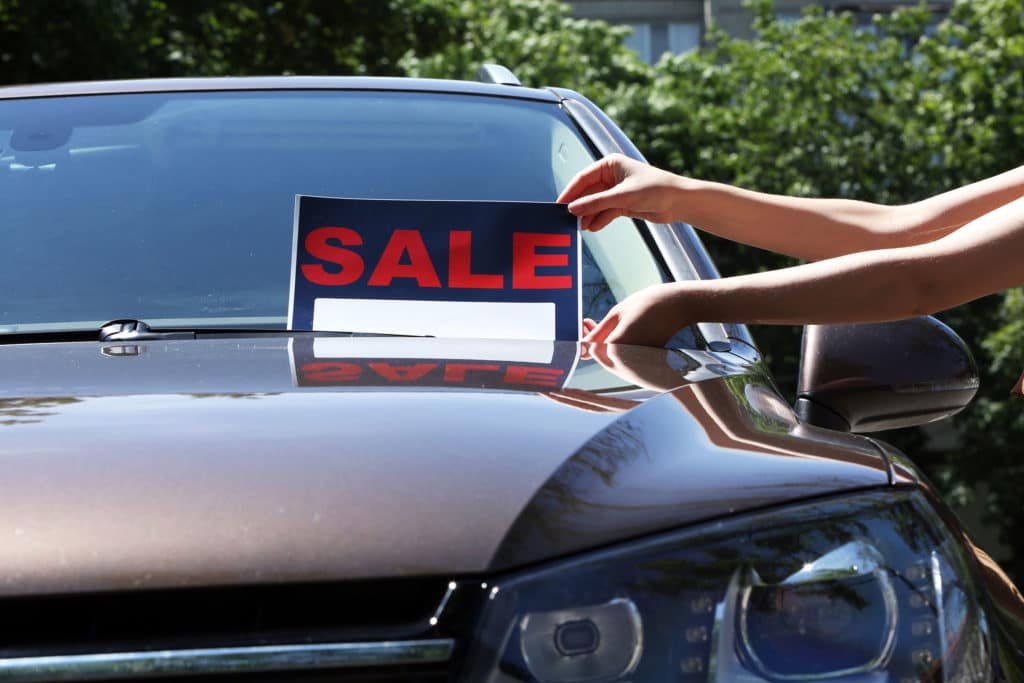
[{"x": 876, "y": 376}]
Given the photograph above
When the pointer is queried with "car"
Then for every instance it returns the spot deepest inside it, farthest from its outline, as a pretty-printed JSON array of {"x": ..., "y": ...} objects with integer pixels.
[{"x": 193, "y": 491}]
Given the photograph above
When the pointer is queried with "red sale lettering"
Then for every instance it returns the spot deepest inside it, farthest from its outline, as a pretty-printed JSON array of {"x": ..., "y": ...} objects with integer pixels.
[
  {"x": 318, "y": 245},
  {"x": 460, "y": 249},
  {"x": 406, "y": 256},
  {"x": 402, "y": 373},
  {"x": 456, "y": 372},
  {"x": 526, "y": 260},
  {"x": 419, "y": 267},
  {"x": 330, "y": 372},
  {"x": 524, "y": 374}
]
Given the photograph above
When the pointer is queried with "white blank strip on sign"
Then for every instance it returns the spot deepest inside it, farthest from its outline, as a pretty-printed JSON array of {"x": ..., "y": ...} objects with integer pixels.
[
  {"x": 531, "y": 351},
  {"x": 480, "y": 319}
]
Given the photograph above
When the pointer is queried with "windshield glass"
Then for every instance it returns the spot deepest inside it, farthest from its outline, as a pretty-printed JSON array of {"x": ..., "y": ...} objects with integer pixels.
[{"x": 178, "y": 208}]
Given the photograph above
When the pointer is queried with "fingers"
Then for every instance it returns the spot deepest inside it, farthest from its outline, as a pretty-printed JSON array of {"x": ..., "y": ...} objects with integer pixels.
[
  {"x": 600, "y": 173},
  {"x": 612, "y": 198},
  {"x": 586, "y": 191},
  {"x": 601, "y": 220},
  {"x": 585, "y": 180},
  {"x": 588, "y": 325},
  {"x": 622, "y": 326},
  {"x": 603, "y": 329}
]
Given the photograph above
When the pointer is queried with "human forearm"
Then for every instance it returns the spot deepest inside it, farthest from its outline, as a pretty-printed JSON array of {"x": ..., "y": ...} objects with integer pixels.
[
  {"x": 867, "y": 286},
  {"x": 887, "y": 284},
  {"x": 813, "y": 229},
  {"x": 936, "y": 216},
  {"x": 853, "y": 288},
  {"x": 806, "y": 228},
  {"x": 863, "y": 287}
]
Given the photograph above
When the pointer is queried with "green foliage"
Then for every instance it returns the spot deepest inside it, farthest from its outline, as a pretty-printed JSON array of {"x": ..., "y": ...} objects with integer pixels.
[
  {"x": 65, "y": 40},
  {"x": 313, "y": 37},
  {"x": 538, "y": 40},
  {"x": 60, "y": 40},
  {"x": 803, "y": 109}
]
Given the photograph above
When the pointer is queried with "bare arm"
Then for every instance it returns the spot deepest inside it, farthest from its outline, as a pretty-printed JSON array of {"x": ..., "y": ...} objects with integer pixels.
[
  {"x": 806, "y": 228},
  {"x": 980, "y": 258},
  {"x": 929, "y": 218}
]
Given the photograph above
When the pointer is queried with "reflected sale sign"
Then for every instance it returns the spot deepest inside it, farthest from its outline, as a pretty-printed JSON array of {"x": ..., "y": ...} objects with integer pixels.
[
  {"x": 402, "y": 362},
  {"x": 504, "y": 270}
]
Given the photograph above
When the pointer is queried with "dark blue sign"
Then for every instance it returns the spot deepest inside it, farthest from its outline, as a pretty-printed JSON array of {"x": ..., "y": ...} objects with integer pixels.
[{"x": 438, "y": 268}]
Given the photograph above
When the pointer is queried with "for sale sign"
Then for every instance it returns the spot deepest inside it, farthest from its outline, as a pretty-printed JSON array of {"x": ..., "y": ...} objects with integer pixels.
[{"x": 505, "y": 270}]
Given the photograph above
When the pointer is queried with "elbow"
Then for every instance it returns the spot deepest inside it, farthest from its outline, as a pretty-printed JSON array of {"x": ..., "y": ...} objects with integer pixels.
[{"x": 896, "y": 228}]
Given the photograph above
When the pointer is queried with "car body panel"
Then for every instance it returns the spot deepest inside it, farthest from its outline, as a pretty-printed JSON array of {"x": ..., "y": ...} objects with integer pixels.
[{"x": 203, "y": 462}]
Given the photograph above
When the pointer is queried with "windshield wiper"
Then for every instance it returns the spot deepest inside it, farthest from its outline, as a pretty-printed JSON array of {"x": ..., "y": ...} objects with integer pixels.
[
  {"x": 129, "y": 330},
  {"x": 136, "y": 330}
]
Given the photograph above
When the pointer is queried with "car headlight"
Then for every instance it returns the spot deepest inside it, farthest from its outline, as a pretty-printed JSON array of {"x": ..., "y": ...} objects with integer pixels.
[{"x": 865, "y": 588}]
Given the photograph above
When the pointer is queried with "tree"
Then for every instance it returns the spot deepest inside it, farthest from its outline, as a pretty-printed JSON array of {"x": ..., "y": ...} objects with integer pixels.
[
  {"x": 63, "y": 40},
  {"x": 538, "y": 40},
  {"x": 67, "y": 40}
]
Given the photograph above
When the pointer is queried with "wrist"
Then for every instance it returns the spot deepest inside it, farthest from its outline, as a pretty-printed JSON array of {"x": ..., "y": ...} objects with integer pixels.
[{"x": 686, "y": 194}]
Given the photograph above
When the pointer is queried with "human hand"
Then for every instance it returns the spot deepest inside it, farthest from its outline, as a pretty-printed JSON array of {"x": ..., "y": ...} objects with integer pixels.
[
  {"x": 619, "y": 186},
  {"x": 647, "y": 318}
]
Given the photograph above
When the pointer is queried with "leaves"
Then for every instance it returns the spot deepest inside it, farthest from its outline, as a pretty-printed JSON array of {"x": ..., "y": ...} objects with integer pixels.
[
  {"x": 538, "y": 40},
  {"x": 92, "y": 39}
]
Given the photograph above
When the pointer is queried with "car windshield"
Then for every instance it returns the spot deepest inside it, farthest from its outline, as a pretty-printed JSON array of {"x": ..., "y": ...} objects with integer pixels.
[{"x": 178, "y": 208}]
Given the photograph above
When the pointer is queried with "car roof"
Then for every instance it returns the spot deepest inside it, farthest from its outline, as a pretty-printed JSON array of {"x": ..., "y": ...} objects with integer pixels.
[{"x": 275, "y": 83}]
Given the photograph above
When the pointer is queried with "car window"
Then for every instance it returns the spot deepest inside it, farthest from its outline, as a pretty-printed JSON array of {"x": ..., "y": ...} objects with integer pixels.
[{"x": 177, "y": 208}]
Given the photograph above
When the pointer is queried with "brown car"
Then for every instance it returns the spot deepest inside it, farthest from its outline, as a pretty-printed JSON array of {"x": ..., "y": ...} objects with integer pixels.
[{"x": 191, "y": 491}]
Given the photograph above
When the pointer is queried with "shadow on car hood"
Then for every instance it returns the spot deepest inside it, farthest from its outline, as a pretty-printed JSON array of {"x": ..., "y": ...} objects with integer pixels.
[{"x": 261, "y": 460}]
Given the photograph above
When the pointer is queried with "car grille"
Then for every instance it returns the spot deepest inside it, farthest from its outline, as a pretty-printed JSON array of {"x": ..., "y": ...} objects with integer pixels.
[
  {"x": 425, "y": 660},
  {"x": 366, "y": 631}
]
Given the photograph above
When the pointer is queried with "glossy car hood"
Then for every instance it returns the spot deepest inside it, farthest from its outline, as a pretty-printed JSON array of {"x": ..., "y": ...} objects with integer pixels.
[{"x": 252, "y": 460}]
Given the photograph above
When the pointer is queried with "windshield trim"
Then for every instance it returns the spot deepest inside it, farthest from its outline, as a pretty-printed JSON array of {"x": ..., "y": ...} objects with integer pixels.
[{"x": 271, "y": 83}]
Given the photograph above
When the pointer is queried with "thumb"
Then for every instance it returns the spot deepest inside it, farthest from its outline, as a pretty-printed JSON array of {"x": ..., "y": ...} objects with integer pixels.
[{"x": 597, "y": 202}]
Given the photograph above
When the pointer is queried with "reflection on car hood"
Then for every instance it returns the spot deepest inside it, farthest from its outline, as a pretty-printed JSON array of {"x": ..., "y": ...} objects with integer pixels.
[{"x": 239, "y": 460}]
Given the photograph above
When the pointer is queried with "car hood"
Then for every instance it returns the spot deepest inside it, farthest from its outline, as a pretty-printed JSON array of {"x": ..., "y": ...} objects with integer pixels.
[{"x": 271, "y": 459}]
